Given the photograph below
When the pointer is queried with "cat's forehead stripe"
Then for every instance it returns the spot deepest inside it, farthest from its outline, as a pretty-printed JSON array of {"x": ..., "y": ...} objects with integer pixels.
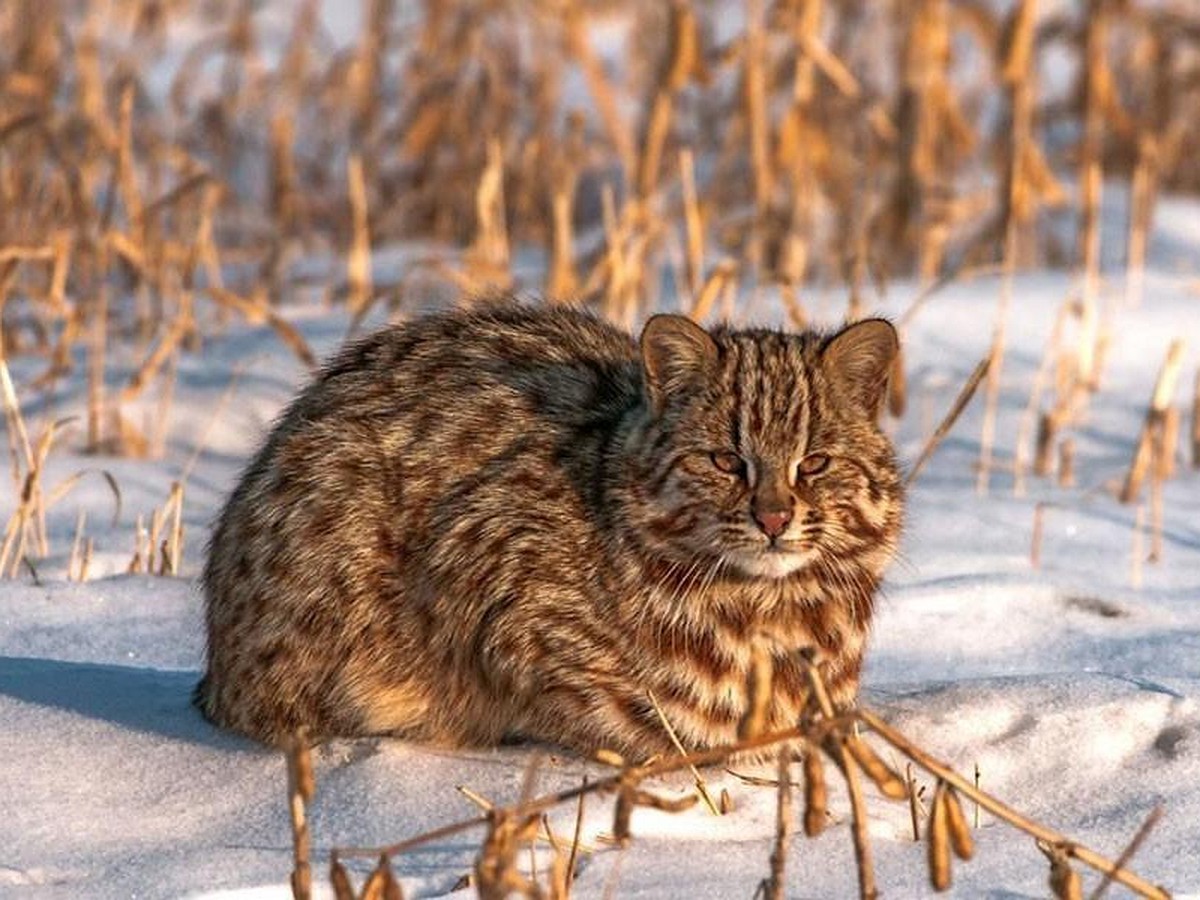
[{"x": 770, "y": 386}]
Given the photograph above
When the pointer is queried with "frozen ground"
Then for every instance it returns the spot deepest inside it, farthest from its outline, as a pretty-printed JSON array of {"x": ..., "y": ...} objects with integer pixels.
[{"x": 1074, "y": 690}]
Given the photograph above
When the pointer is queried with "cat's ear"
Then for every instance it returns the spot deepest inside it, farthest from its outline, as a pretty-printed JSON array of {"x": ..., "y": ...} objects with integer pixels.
[
  {"x": 676, "y": 354},
  {"x": 859, "y": 358}
]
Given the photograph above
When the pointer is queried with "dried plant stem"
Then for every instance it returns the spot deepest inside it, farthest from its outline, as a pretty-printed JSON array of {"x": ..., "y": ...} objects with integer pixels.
[
  {"x": 300, "y": 791},
  {"x": 754, "y": 84},
  {"x": 1018, "y": 209},
  {"x": 914, "y": 801},
  {"x": 1035, "y": 543},
  {"x": 701, "y": 786},
  {"x": 358, "y": 265},
  {"x": 987, "y": 433},
  {"x": 1196, "y": 422},
  {"x": 601, "y": 90},
  {"x": 1005, "y": 812},
  {"x": 1138, "y": 552},
  {"x": 1144, "y": 455},
  {"x": 577, "y": 836},
  {"x": 676, "y": 70},
  {"x": 1095, "y": 85},
  {"x": 74, "y": 571},
  {"x": 858, "y": 824},
  {"x": 773, "y": 886},
  {"x": 693, "y": 223},
  {"x": 960, "y": 403},
  {"x": 1130, "y": 849}
]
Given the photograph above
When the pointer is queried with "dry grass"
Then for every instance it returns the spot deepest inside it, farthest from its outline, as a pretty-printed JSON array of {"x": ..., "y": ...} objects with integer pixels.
[{"x": 826, "y": 734}]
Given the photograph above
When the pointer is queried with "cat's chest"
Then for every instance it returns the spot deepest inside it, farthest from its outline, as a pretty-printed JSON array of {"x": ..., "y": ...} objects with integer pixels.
[{"x": 725, "y": 625}]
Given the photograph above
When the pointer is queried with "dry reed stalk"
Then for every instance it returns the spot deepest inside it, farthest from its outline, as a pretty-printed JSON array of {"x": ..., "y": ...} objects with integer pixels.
[
  {"x": 835, "y": 746},
  {"x": 1018, "y": 210},
  {"x": 1141, "y": 205},
  {"x": 600, "y": 89},
  {"x": 1196, "y": 422},
  {"x": 1131, "y": 848},
  {"x": 858, "y": 823},
  {"x": 754, "y": 86},
  {"x": 162, "y": 352},
  {"x": 301, "y": 786},
  {"x": 1064, "y": 881},
  {"x": 139, "y": 538},
  {"x": 1043, "y": 454},
  {"x": 815, "y": 792},
  {"x": 914, "y": 801},
  {"x": 1097, "y": 90},
  {"x": 1066, "y": 463},
  {"x": 693, "y": 223},
  {"x": 339, "y": 880},
  {"x": 282, "y": 197},
  {"x": 758, "y": 693},
  {"x": 1156, "y": 496},
  {"x": 1137, "y": 553},
  {"x": 701, "y": 785},
  {"x": 381, "y": 884},
  {"x": 887, "y": 781},
  {"x": 489, "y": 254},
  {"x": 562, "y": 282},
  {"x": 73, "y": 566},
  {"x": 575, "y": 839},
  {"x": 1164, "y": 390},
  {"x": 175, "y": 538},
  {"x": 258, "y": 312},
  {"x": 897, "y": 396},
  {"x": 987, "y": 432},
  {"x": 1170, "y": 443},
  {"x": 773, "y": 886},
  {"x": 960, "y": 403},
  {"x": 975, "y": 806},
  {"x": 678, "y": 65},
  {"x": 16, "y": 423},
  {"x": 722, "y": 278},
  {"x": 960, "y": 835},
  {"x": 1035, "y": 543},
  {"x": 97, "y": 346},
  {"x": 1030, "y": 415},
  {"x": 152, "y": 541},
  {"x": 938, "y": 840},
  {"x": 358, "y": 262},
  {"x": 368, "y": 65}
]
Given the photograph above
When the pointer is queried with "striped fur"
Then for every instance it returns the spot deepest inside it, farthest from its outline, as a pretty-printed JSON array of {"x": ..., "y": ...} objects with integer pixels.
[{"x": 511, "y": 522}]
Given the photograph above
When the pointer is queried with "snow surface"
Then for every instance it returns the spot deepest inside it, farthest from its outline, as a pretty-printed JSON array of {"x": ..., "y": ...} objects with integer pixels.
[{"x": 1073, "y": 690}]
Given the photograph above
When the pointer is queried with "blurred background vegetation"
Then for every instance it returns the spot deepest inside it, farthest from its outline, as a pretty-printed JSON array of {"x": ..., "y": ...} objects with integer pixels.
[{"x": 169, "y": 167}]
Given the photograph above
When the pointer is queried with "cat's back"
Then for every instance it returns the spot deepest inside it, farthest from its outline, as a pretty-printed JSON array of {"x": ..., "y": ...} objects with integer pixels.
[{"x": 545, "y": 359}]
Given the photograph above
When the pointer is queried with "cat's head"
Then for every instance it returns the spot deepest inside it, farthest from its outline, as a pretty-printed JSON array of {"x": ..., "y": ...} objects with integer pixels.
[{"x": 761, "y": 451}]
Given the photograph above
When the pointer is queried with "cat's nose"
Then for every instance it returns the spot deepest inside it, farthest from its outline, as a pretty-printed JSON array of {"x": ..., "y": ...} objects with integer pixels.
[{"x": 773, "y": 522}]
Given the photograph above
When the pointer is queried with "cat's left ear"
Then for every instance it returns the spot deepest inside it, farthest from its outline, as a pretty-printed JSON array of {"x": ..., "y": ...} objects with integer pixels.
[
  {"x": 677, "y": 354},
  {"x": 859, "y": 358}
]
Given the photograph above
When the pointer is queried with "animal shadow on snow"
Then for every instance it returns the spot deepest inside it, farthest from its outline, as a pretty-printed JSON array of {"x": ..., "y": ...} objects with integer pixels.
[{"x": 151, "y": 701}]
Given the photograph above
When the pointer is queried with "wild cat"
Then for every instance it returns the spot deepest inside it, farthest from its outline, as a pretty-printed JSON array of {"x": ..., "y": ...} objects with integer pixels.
[{"x": 516, "y": 521}]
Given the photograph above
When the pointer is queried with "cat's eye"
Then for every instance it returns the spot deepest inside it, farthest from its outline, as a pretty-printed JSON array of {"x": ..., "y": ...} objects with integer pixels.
[
  {"x": 813, "y": 464},
  {"x": 730, "y": 463}
]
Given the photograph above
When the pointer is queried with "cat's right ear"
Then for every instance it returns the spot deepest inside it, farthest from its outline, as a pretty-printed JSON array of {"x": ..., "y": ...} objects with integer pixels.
[{"x": 677, "y": 354}]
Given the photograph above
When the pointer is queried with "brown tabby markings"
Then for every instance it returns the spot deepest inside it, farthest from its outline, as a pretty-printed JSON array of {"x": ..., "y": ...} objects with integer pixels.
[{"x": 516, "y": 521}]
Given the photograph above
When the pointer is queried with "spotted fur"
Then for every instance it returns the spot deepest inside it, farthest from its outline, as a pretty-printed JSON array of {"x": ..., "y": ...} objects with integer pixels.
[{"x": 516, "y": 521}]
